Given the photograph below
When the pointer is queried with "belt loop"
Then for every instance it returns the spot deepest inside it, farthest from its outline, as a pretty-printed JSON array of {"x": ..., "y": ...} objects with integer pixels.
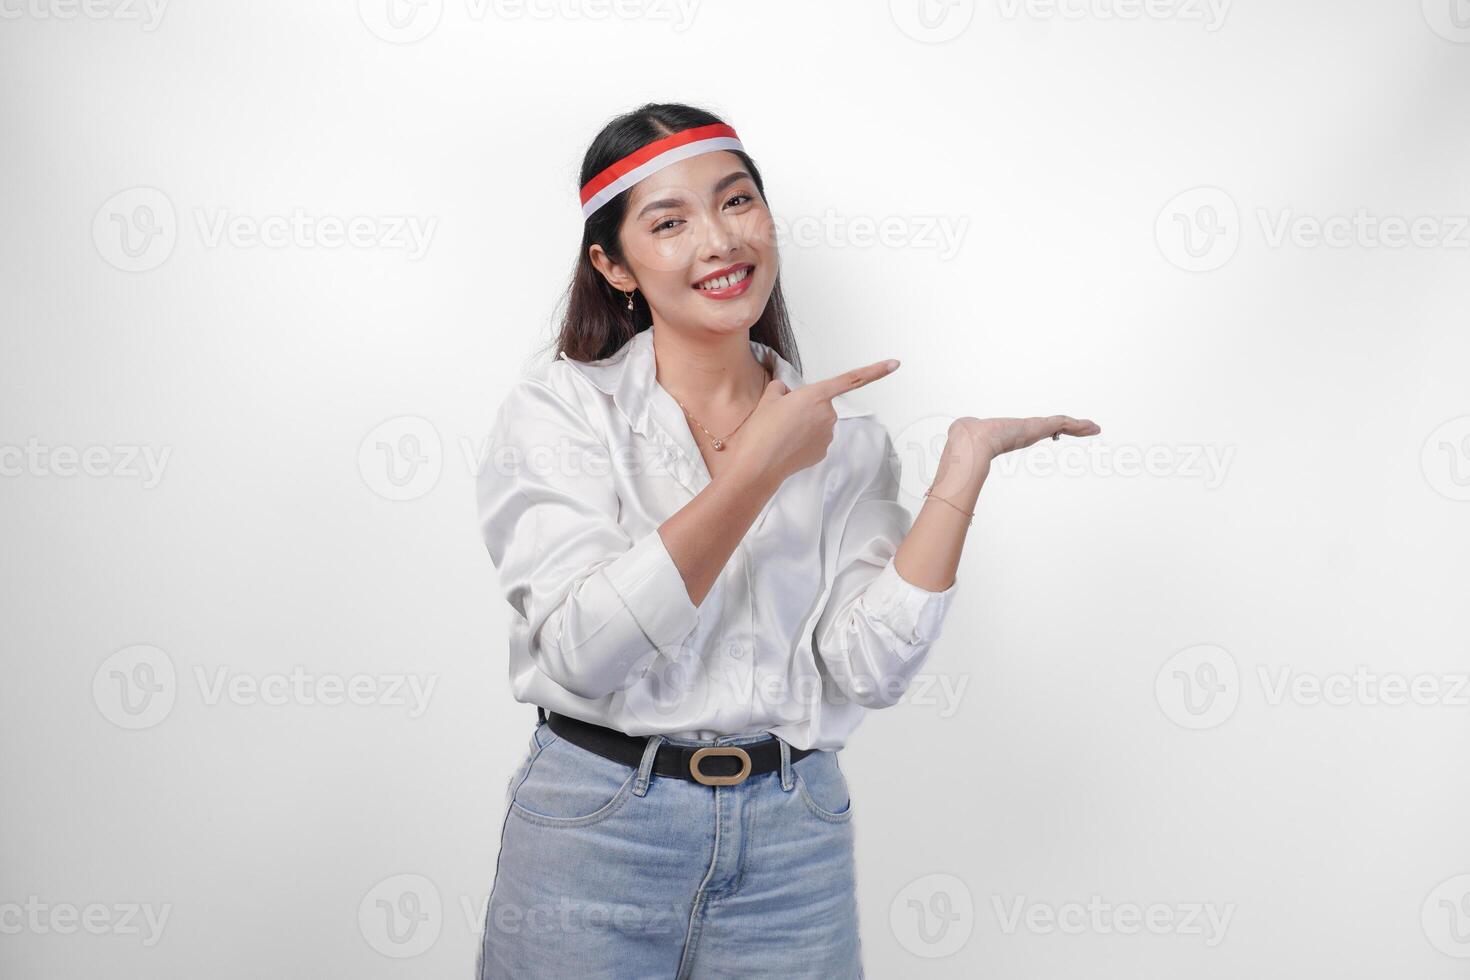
[
  {"x": 645, "y": 767},
  {"x": 786, "y": 777}
]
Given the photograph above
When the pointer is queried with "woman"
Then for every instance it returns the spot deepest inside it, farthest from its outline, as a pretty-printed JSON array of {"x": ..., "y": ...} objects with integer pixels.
[{"x": 712, "y": 580}]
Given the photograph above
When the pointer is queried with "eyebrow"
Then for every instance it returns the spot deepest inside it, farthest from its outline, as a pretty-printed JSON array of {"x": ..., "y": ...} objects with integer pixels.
[{"x": 673, "y": 202}]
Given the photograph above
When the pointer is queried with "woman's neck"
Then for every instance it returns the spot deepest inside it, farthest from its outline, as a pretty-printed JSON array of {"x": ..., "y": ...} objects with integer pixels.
[{"x": 716, "y": 372}]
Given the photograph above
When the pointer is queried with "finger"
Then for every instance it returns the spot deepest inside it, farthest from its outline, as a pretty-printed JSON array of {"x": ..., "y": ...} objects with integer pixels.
[
  {"x": 850, "y": 380},
  {"x": 1065, "y": 425}
]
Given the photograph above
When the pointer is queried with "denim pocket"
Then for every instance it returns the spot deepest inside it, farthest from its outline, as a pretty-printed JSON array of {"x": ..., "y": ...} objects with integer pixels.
[
  {"x": 823, "y": 787},
  {"x": 565, "y": 785}
]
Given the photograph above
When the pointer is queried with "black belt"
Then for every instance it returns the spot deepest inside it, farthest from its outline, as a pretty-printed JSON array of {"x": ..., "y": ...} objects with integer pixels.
[{"x": 712, "y": 765}]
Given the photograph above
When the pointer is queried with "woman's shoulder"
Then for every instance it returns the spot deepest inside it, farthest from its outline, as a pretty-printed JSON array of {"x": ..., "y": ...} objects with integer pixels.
[{"x": 554, "y": 386}]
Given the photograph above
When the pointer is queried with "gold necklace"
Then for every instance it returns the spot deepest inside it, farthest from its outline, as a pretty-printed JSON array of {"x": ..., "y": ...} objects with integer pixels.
[{"x": 716, "y": 441}]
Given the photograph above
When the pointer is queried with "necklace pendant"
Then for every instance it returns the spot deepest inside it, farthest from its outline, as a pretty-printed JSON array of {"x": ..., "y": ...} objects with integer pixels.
[{"x": 719, "y": 445}]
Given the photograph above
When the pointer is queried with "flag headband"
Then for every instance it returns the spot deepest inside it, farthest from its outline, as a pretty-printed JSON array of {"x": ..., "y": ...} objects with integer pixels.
[{"x": 648, "y": 160}]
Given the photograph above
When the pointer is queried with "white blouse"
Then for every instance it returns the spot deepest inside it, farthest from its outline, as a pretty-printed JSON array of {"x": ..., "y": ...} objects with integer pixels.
[{"x": 808, "y": 624}]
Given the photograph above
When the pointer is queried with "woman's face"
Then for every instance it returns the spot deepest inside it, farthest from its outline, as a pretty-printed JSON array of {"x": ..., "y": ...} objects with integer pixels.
[{"x": 690, "y": 220}]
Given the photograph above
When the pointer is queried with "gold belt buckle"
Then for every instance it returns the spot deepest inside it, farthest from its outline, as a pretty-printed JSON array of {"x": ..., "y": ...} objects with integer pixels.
[{"x": 735, "y": 750}]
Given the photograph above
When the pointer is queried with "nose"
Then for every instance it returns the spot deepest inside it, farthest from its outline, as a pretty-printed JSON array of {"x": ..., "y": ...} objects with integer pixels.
[{"x": 722, "y": 237}]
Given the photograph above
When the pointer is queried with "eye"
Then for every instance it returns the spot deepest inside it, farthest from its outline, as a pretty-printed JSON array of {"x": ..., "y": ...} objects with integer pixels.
[
  {"x": 665, "y": 223},
  {"x": 738, "y": 197}
]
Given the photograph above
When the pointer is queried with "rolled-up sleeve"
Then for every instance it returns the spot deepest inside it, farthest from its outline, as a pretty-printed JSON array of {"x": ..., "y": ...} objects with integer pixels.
[
  {"x": 877, "y": 628},
  {"x": 596, "y": 605}
]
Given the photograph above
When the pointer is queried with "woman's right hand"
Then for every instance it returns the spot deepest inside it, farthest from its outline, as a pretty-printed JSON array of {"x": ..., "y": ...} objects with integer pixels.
[{"x": 791, "y": 430}]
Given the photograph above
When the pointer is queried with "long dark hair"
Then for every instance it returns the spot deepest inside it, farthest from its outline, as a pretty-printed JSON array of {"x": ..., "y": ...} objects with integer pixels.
[{"x": 597, "y": 320}]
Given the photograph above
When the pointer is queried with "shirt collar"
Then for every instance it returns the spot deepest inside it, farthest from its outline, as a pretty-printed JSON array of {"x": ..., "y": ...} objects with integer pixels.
[{"x": 629, "y": 376}]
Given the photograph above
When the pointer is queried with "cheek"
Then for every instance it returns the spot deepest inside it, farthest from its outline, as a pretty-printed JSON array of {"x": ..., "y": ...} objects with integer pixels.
[
  {"x": 760, "y": 232},
  {"x": 655, "y": 260}
]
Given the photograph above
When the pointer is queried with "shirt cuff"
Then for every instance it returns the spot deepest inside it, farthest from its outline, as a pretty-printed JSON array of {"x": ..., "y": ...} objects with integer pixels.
[
  {"x": 913, "y": 613},
  {"x": 650, "y": 585}
]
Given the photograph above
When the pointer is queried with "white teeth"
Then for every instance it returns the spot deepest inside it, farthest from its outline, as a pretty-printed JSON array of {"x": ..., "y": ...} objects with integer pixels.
[{"x": 725, "y": 281}]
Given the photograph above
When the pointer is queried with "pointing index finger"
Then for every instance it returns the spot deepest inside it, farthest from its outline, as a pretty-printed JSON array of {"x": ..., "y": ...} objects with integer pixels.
[{"x": 856, "y": 378}]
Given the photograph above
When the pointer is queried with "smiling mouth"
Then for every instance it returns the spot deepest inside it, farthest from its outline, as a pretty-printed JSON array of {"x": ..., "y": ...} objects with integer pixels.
[{"x": 727, "y": 280}]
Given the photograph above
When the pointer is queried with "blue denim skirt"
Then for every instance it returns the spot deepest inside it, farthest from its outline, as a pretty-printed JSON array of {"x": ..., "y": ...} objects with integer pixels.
[{"x": 610, "y": 871}]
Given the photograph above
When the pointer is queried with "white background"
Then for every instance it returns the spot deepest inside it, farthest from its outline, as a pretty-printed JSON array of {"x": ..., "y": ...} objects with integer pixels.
[{"x": 1065, "y": 751}]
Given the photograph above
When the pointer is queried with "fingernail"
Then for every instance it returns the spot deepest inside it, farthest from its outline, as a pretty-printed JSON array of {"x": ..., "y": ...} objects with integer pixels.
[{"x": 893, "y": 364}]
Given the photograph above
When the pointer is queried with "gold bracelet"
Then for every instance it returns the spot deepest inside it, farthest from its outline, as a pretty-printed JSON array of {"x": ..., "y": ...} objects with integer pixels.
[{"x": 968, "y": 513}]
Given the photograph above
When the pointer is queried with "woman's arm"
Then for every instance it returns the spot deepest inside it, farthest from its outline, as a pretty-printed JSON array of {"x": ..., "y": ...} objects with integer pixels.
[
  {"x": 930, "y": 552},
  {"x": 598, "y": 605},
  {"x": 895, "y": 578}
]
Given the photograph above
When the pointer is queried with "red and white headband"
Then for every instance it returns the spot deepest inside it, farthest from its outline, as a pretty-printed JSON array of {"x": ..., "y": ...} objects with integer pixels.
[{"x": 650, "y": 159}]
